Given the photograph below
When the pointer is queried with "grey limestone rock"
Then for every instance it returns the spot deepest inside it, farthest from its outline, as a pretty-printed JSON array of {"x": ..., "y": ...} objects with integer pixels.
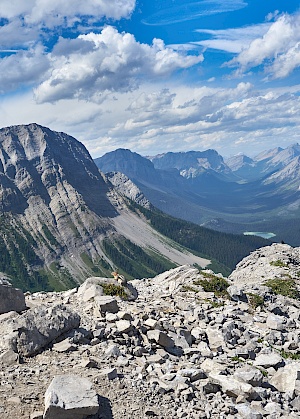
[
  {"x": 92, "y": 289},
  {"x": 276, "y": 322},
  {"x": 232, "y": 386},
  {"x": 9, "y": 357},
  {"x": 287, "y": 379},
  {"x": 106, "y": 303},
  {"x": 11, "y": 299},
  {"x": 38, "y": 327},
  {"x": 246, "y": 411},
  {"x": 250, "y": 375},
  {"x": 236, "y": 293},
  {"x": 161, "y": 338},
  {"x": 70, "y": 397},
  {"x": 268, "y": 360},
  {"x": 123, "y": 326}
]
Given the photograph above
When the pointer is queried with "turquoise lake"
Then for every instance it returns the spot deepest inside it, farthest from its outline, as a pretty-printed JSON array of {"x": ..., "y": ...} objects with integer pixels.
[{"x": 262, "y": 234}]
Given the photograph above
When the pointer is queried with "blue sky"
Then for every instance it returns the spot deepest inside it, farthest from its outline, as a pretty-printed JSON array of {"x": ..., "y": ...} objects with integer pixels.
[{"x": 154, "y": 76}]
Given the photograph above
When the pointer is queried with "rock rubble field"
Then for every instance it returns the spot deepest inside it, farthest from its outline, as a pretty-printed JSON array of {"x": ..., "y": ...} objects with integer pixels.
[{"x": 185, "y": 344}]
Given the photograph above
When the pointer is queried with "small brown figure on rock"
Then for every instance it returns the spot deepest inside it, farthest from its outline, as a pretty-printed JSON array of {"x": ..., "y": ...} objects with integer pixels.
[{"x": 120, "y": 278}]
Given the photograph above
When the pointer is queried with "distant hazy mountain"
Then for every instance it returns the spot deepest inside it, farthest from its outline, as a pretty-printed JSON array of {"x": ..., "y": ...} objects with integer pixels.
[
  {"x": 264, "y": 163},
  {"x": 191, "y": 163},
  {"x": 268, "y": 154},
  {"x": 201, "y": 187},
  {"x": 243, "y": 167}
]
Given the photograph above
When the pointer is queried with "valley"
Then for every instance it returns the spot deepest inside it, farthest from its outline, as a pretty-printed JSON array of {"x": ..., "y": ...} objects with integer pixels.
[
  {"x": 232, "y": 195},
  {"x": 63, "y": 220}
]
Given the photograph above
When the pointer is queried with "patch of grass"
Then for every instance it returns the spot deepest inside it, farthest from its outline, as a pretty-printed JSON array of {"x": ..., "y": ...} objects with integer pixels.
[
  {"x": 214, "y": 304},
  {"x": 289, "y": 355},
  {"x": 255, "y": 300},
  {"x": 237, "y": 358},
  {"x": 49, "y": 236},
  {"x": 187, "y": 288},
  {"x": 114, "y": 290},
  {"x": 214, "y": 284},
  {"x": 285, "y": 287},
  {"x": 279, "y": 263},
  {"x": 208, "y": 275},
  {"x": 59, "y": 278},
  {"x": 264, "y": 372}
]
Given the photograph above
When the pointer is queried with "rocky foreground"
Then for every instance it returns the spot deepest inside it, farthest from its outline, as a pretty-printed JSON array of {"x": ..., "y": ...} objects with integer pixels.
[{"x": 185, "y": 344}]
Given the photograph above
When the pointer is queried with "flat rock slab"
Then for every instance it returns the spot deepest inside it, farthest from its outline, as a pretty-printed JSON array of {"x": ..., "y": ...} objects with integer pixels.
[
  {"x": 70, "y": 397},
  {"x": 267, "y": 360}
]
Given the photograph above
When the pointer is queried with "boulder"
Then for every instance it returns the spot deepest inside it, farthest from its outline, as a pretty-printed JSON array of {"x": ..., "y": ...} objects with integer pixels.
[
  {"x": 9, "y": 357},
  {"x": 236, "y": 293},
  {"x": 232, "y": 386},
  {"x": 28, "y": 333},
  {"x": 70, "y": 397},
  {"x": 123, "y": 326},
  {"x": 268, "y": 360},
  {"x": 64, "y": 346},
  {"x": 286, "y": 379},
  {"x": 11, "y": 299},
  {"x": 161, "y": 338},
  {"x": 90, "y": 293},
  {"x": 246, "y": 411},
  {"x": 109, "y": 373},
  {"x": 215, "y": 339},
  {"x": 106, "y": 303},
  {"x": 250, "y": 375},
  {"x": 92, "y": 288},
  {"x": 275, "y": 322}
]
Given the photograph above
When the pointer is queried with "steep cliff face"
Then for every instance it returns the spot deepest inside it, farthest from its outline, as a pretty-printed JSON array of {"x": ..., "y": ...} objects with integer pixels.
[
  {"x": 38, "y": 161},
  {"x": 127, "y": 188},
  {"x": 51, "y": 189}
]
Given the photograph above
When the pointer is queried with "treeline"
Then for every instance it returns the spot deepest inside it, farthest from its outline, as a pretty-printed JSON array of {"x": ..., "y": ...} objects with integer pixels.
[
  {"x": 226, "y": 248},
  {"x": 17, "y": 255},
  {"x": 133, "y": 261}
]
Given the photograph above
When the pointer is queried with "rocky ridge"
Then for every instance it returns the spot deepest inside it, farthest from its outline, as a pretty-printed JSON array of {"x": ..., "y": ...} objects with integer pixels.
[
  {"x": 173, "y": 348},
  {"x": 60, "y": 215},
  {"x": 127, "y": 188}
]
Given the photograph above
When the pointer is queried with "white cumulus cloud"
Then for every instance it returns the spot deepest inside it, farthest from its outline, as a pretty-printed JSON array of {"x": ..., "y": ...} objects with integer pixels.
[
  {"x": 93, "y": 65},
  {"x": 279, "y": 45},
  {"x": 22, "y": 68},
  {"x": 54, "y": 12}
]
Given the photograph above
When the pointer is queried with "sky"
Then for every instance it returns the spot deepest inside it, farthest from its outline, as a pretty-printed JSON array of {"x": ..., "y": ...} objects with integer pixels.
[{"x": 154, "y": 76}]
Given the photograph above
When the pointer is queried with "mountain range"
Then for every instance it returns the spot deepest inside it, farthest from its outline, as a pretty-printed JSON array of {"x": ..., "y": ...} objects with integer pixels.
[
  {"x": 233, "y": 195},
  {"x": 62, "y": 220}
]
